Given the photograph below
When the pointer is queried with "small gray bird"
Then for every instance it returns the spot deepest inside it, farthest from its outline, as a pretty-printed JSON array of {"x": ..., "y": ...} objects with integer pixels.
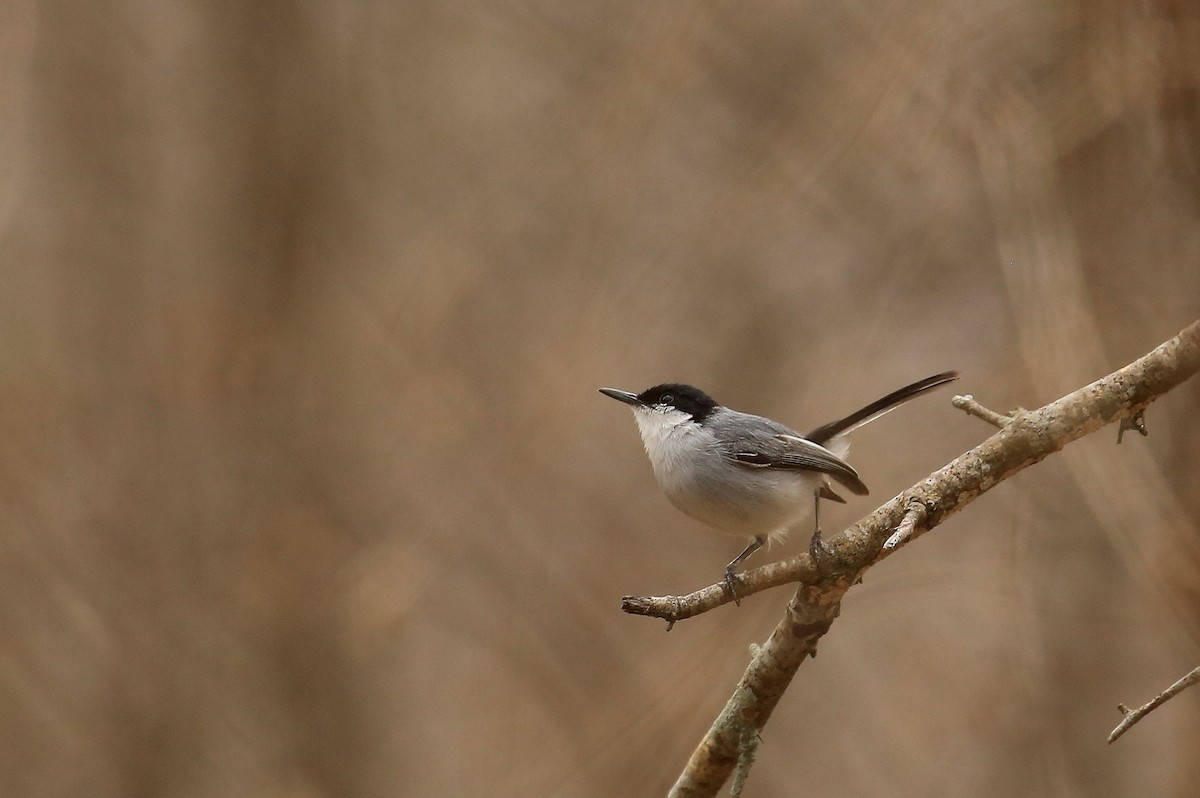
[{"x": 744, "y": 474}]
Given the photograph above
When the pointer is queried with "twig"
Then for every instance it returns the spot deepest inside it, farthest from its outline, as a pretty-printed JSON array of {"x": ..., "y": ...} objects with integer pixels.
[
  {"x": 968, "y": 405},
  {"x": 912, "y": 519},
  {"x": 1136, "y": 422},
  {"x": 678, "y": 608},
  {"x": 1023, "y": 440},
  {"x": 1132, "y": 716}
]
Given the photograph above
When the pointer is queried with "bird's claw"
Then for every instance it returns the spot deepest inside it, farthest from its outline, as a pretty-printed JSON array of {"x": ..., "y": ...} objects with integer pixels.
[
  {"x": 731, "y": 578},
  {"x": 818, "y": 553}
]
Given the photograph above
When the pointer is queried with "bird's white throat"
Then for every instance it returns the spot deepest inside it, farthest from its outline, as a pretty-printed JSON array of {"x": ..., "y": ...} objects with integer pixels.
[{"x": 666, "y": 435}]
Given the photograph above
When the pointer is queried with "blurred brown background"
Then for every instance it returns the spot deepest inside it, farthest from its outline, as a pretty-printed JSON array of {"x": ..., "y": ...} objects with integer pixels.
[{"x": 306, "y": 487}]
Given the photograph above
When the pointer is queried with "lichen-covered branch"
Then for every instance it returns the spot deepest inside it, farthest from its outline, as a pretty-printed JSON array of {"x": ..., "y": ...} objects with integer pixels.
[{"x": 1026, "y": 438}]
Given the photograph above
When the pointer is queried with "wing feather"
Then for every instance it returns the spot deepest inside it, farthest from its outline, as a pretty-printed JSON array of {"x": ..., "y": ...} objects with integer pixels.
[{"x": 793, "y": 453}]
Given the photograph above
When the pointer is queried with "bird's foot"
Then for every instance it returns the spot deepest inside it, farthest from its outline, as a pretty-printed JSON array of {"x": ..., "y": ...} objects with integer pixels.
[{"x": 731, "y": 579}]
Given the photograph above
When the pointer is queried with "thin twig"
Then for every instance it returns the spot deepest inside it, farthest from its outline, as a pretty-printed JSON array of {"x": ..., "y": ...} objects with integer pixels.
[
  {"x": 1026, "y": 439},
  {"x": 1136, "y": 422},
  {"x": 968, "y": 405},
  {"x": 1132, "y": 716},
  {"x": 678, "y": 608}
]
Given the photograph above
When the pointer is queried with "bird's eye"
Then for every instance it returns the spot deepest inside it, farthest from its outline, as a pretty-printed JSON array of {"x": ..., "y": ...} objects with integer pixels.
[{"x": 667, "y": 399}]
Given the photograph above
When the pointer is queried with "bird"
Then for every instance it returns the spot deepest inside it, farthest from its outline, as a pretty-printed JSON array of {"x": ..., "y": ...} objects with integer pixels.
[{"x": 747, "y": 475}]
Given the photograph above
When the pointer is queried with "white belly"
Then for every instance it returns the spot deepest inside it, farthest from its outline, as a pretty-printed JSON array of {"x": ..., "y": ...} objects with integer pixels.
[{"x": 760, "y": 503}]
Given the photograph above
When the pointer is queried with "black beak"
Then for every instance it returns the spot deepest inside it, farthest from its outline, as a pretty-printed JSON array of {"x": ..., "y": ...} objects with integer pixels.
[{"x": 623, "y": 396}]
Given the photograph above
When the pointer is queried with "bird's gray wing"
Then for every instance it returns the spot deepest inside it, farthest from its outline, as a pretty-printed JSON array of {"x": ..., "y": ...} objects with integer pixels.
[{"x": 792, "y": 452}]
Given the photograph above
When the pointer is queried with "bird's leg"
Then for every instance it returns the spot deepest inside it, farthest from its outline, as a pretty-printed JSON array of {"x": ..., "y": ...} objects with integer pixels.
[
  {"x": 730, "y": 576},
  {"x": 816, "y": 549}
]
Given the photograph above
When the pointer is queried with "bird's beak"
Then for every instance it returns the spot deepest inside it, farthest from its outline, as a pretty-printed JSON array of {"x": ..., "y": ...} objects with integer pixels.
[{"x": 623, "y": 396}]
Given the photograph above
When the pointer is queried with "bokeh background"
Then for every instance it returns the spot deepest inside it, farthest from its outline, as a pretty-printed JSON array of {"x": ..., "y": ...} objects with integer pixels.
[{"x": 305, "y": 486}]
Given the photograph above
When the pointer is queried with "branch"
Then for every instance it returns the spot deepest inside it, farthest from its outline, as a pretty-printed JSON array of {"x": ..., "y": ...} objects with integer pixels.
[
  {"x": 1132, "y": 716},
  {"x": 733, "y": 739},
  {"x": 799, "y": 569},
  {"x": 678, "y": 608},
  {"x": 1025, "y": 439}
]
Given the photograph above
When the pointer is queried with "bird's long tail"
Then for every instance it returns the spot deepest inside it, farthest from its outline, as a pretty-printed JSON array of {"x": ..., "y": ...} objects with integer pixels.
[{"x": 833, "y": 429}]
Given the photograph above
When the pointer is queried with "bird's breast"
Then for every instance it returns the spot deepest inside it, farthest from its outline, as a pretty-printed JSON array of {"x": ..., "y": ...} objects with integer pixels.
[{"x": 701, "y": 480}]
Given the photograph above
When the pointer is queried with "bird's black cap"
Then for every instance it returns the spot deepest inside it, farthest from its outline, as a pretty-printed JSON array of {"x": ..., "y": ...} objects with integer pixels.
[{"x": 688, "y": 398}]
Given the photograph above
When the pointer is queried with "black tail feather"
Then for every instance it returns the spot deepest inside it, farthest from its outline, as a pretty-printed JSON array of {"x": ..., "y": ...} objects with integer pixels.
[{"x": 877, "y": 408}]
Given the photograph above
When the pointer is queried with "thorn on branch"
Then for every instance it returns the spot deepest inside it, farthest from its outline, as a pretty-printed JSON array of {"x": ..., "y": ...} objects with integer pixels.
[
  {"x": 1132, "y": 716},
  {"x": 968, "y": 405},
  {"x": 1136, "y": 422}
]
